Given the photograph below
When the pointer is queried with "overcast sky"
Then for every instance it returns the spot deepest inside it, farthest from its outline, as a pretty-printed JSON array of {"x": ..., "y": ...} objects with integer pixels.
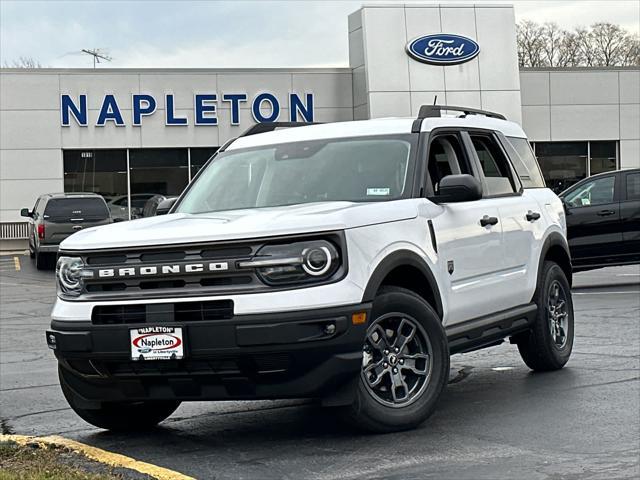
[{"x": 263, "y": 33}]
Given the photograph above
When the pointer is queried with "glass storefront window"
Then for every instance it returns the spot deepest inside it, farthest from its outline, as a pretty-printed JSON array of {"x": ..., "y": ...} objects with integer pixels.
[
  {"x": 199, "y": 157},
  {"x": 603, "y": 157},
  {"x": 156, "y": 173},
  {"x": 562, "y": 163},
  {"x": 99, "y": 171}
]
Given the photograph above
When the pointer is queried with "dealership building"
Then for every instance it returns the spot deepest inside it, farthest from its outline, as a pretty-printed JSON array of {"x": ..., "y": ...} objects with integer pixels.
[{"x": 131, "y": 133}]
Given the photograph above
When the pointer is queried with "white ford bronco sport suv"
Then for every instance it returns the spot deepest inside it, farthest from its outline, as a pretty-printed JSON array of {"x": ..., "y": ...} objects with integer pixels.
[{"x": 344, "y": 262}]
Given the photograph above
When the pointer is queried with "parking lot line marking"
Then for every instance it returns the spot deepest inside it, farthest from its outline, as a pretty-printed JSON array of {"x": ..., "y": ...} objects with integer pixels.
[
  {"x": 99, "y": 455},
  {"x": 16, "y": 263},
  {"x": 604, "y": 293}
]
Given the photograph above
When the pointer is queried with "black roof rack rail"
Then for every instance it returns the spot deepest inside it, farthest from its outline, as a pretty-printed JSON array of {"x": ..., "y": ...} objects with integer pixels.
[
  {"x": 271, "y": 126},
  {"x": 435, "y": 111}
]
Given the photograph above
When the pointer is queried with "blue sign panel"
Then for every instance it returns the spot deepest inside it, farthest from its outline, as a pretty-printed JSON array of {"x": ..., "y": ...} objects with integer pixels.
[{"x": 443, "y": 49}]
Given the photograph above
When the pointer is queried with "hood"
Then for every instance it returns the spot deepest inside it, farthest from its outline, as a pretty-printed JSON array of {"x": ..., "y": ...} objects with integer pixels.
[{"x": 179, "y": 228}]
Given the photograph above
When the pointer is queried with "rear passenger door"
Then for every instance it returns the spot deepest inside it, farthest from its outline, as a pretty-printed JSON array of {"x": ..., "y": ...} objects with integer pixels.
[
  {"x": 519, "y": 216},
  {"x": 630, "y": 215}
]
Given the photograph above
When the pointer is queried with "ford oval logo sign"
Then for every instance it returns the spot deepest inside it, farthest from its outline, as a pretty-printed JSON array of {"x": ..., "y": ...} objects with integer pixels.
[{"x": 443, "y": 49}]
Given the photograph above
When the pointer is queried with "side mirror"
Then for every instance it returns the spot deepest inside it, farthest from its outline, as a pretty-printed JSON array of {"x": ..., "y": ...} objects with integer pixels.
[
  {"x": 165, "y": 205},
  {"x": 26, "y": 213},
  {"x": 458, "y": 188}
]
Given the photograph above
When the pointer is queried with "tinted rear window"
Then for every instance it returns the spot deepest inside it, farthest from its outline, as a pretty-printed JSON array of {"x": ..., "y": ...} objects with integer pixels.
[
  {"x": 633, "y": 186},
  {"x": 87, "y": 208}
]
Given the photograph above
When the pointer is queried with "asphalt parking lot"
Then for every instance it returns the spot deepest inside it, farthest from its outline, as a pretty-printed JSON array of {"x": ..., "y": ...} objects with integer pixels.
[{"x": 496, "y": 419}]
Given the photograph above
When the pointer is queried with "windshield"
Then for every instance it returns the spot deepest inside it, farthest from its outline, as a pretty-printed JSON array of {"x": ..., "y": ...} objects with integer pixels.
[{"x": 352, "y": 169}]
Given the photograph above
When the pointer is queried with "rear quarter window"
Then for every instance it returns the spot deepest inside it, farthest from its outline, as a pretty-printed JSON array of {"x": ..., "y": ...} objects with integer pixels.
[
  {"x": 525, "y": 163},
  {"x": 67, "y": 208}
]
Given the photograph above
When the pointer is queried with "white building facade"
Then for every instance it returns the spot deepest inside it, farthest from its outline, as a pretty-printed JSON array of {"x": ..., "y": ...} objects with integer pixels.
[{"x": 127, "y": 134}]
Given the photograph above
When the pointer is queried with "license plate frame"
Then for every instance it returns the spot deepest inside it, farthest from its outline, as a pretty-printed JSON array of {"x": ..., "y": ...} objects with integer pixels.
[{"x": 153, "y": 343}]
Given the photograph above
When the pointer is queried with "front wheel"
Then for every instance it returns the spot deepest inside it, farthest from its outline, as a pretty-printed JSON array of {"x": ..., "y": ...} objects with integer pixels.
[
  {"x": 405, "y": 364},
  {"x": 121, "y": 416},
  {"x": 547, "y": 346}
]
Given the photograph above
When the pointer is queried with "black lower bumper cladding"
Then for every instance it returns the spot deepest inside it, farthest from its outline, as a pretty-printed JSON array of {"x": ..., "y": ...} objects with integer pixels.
[{"x": 285, "y": 355}]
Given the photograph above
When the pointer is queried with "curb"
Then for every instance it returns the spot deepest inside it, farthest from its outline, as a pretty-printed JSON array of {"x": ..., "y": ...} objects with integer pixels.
[{"x": 99, "y": 455}]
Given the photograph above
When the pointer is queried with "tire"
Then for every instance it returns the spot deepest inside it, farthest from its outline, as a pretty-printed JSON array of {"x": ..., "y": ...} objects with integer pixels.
[
  {"x": 378, "y": 410},
  {"x": 42, "y": 260},
  {"x": 121, "y": 416},
  {"x": 547, "y": 346}
]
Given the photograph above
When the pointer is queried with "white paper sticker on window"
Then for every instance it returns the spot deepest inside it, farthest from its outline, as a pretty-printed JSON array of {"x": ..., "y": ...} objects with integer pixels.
[{"x": 378, "y": 191}]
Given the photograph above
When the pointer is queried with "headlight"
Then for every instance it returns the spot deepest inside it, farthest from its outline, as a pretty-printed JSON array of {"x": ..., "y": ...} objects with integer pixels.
[
  {"x": 300, "y": 262},
  {"x": 70, "y": 275}
]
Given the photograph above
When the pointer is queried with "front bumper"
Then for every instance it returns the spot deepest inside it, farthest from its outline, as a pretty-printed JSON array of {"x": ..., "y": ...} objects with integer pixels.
[{"x": 311, "y": 353}]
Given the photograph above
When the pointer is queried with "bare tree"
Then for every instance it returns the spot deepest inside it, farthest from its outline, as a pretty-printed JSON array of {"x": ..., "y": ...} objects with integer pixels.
[
  {"x": 570, "y": 55},
  {"x": 610, "y": 41},
  {"x": 585, "y": 43},
  {"x": 601, "y": 45},
  {"x": 23, "y": 62},
  {"x": 552, "y": 44},
  {"x": 529, "y": 42},
  {"x": 631, "y": 55}
]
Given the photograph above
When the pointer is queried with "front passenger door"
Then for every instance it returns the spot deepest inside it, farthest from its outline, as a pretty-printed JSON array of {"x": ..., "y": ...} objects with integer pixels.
[
  {"x": 593, "y": 221},
  {"x": 469, "y": 252}
]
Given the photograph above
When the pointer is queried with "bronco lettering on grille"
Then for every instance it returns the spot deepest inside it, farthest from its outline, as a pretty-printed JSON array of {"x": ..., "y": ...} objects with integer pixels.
[{"x": 163, "y": 269}]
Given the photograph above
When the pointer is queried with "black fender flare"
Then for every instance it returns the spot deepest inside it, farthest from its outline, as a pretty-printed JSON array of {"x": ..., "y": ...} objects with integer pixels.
[
  {"x": 555, "y": 239},
  {"x": 401, "y": 258}
]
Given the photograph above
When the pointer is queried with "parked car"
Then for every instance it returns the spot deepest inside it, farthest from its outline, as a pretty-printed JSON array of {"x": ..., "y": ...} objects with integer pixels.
[
  {"x": 119, "y": 206},
  {"x": 343, "y": 262},
  {"x": 55, "y": 216},
  {"x": 603, "y": 219}
]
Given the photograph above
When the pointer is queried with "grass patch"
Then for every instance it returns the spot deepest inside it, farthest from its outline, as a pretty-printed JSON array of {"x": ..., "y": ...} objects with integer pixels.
[{"x": 36, "y": 462}]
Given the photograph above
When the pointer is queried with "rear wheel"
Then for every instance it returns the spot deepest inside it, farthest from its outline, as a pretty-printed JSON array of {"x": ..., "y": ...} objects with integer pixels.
[
  {"x": 405, "y": 364},
  {"x": 43, "y": 260},
  {"x": 547, "y": 346},
  {"x": 121, "y": 416}
]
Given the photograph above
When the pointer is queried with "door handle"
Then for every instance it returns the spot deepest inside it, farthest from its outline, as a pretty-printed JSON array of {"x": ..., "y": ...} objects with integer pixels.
[
  {"x": 605, "y": 213},
  {"x": 487, "y": 220},
  {"x": 532, "y": 216},
  {"x": 77, "y": 227}
]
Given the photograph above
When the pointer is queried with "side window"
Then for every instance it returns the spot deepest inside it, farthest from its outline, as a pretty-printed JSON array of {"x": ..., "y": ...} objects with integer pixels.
[
  {"x": 525, "y": 163},
  {"x": 596, "y": 192},
  {"x": 633, "y": 186},
  {"x": 495, "y": 166},
  {"x": 446, "y": 157}
]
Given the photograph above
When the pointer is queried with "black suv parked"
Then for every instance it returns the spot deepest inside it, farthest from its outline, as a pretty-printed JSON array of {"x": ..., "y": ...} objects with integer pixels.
[
  {"x": 603, "y": 219},
  {"x": 55, "y": 216}
]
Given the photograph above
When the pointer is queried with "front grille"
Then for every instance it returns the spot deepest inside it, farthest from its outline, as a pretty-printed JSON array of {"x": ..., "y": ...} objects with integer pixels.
[
  {"x": 162, "y": 312},
  {"x": 160, "y": 271}
]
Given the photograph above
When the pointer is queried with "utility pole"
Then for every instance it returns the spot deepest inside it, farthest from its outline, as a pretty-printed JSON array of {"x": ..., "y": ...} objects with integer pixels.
[{"x": 97, "y": 54}]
